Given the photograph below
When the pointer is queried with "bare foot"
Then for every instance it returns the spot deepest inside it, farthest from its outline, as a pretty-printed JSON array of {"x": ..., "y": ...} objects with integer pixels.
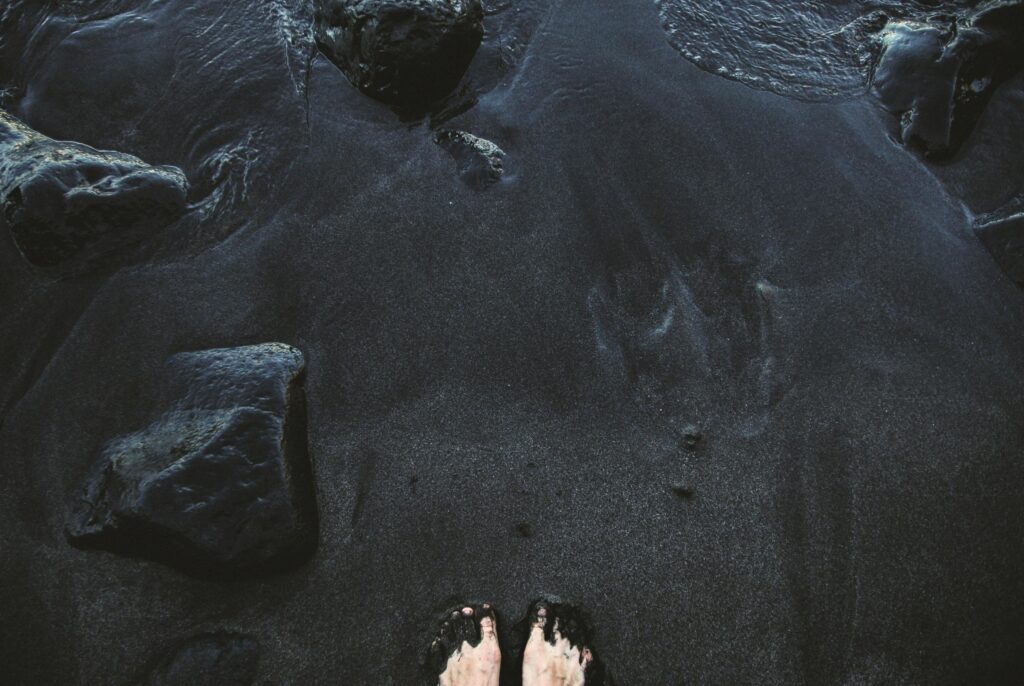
[
  {"x": 558, "y": 652},
  {"x": 465, "y": 652}
]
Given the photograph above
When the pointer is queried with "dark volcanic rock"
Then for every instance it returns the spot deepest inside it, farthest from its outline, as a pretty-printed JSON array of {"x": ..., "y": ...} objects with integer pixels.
[
  {"x": 407, "y": 53},
  {"x": 220, "y": 483},
  {"x": 690, "y": 436},
  {"x": 937, "y": 75},
  {"x": 217, "y": 659},
  {"x": 1003, "y": 236},
  {"x": 67, "y": 204},
  {"x": 683, "y": 491},
  {"x": 479, "y": 161}
]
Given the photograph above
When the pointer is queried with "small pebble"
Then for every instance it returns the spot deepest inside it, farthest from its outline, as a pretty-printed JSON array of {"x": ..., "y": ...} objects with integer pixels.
[{"x": 682, "y": 491}]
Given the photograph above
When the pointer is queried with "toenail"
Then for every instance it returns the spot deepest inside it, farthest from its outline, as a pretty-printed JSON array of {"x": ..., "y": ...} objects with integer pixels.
[
  {"x": 542, "y": 612},
  {"x": 468, "y": 611}
]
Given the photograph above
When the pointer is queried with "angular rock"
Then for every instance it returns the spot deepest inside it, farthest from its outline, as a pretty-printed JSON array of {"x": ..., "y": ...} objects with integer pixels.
[
  {"x": 220, "y": 483},
  {"x": 1003, "y": 237},
  {"x": 407, "y": 53},
  {"x": 937, "y": 76},
  {"x": 216, "y": 659},
  {"x": 479, "y": 161},
  {"x": 68, "y": 204}
]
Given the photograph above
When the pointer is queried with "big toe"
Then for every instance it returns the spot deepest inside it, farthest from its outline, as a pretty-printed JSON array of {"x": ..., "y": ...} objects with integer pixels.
[
  {"x": 463, "y": 628},
  {"x": 560, "y": 645}
]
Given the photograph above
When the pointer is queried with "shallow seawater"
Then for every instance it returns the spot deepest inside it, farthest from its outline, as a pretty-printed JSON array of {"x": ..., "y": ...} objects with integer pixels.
[
  {"x": 220, "y": 89},
  {"x": 815, "y": 49},
  {"x": 217, "y": 89}
]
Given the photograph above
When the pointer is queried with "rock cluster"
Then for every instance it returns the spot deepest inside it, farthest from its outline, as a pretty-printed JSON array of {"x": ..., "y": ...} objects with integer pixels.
[
  {"x": 220, "y": 483},
  {"x": 407, "y": 53},
  {"x": 70, "y": 206}
]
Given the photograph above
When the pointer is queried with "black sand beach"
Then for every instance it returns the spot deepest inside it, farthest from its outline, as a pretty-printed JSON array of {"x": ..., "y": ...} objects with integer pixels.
[{"x": 728, "y": 368}]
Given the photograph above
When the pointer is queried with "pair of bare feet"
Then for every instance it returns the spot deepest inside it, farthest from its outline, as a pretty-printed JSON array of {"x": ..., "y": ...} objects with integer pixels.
[{"x": 554, "y": 643}]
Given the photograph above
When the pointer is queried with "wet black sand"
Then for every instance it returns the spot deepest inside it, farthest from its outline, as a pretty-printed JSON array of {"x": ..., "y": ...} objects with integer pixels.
[{"x": 667, "y": 249}]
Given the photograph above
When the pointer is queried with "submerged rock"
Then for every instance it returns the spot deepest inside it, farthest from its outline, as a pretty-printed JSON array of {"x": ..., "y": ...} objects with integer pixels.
[
  {"x": 407, "y": 53},
  {"x": 219, "y": 484},
  {"x": 937, "y": 75},
  {"x": 217, "y": 659},
  {"x": 67, "y": 204},
  {"x": 479, "y": 161}
]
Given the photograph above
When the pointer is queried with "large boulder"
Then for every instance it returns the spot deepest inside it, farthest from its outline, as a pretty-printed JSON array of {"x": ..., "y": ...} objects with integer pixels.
[
  {"x": 220, "y": 483},
  {"x": 67, "y": 204},
  {"x": 407, "y": 53},
  {"x": 937, "y": 75}
]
